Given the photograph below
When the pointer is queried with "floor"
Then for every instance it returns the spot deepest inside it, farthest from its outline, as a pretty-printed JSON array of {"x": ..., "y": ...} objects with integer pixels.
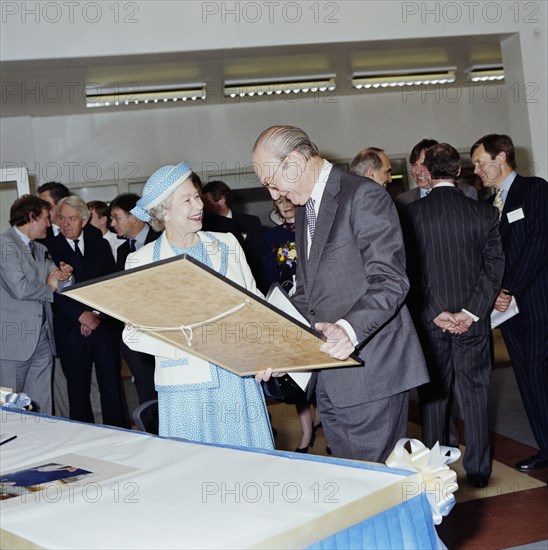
[{"x": 512, "y": 512}]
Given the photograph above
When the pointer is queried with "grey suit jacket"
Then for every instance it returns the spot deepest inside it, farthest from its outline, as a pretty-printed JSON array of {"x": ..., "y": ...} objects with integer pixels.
[
  {"x": 415, "y": 194},
  {"x": 356, "y": 271},
  {"x": 24, "y": 296}
]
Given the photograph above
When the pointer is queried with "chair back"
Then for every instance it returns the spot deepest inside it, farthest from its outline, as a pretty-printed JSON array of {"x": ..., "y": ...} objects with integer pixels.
[{"x": 145, "y": 417}]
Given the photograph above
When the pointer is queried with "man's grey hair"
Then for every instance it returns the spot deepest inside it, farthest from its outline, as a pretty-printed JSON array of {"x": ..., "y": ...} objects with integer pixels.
[
  {"x": 76, "y": 202},
  {"x": 366, "y": 159},
  {"x": 279, "y": 141}
]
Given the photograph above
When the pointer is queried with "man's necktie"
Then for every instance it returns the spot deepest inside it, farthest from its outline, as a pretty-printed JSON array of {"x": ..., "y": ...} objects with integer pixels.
[
  {"x": 132, "y": 247},
  {"x": 31, "y": 249},
  {"x": 498, "y": 201},
  {"x": 77, "y": 248},
  {"x": 311, "y": 216}
]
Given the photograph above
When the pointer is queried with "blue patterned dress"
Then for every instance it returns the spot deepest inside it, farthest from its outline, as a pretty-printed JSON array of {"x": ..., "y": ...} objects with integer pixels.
[{"x": 227, "y": 410}]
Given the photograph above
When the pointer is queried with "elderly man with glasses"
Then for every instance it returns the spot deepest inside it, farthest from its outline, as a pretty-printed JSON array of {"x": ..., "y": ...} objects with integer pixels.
[
  {"x": 351, "y": 285},
  {"x": 84, "y": 337}
]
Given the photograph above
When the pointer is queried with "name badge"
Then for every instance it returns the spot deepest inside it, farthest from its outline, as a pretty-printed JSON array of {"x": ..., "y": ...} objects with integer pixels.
[{"x": 515, "y": 215}]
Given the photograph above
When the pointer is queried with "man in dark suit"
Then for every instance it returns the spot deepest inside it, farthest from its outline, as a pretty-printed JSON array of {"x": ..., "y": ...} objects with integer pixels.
[
  {"x": 423, "y": 184},
  {"x": 52, "y": 192},
  {"x": 455, "y": 264},
  {"x": 523, "y": 205},
  {"x": 217, "y": 197},
  {"x": 28, "y": 281},
  {"x": 85, "y": 337},
  {"x": 351, "y": 285},
  {"x": 137, "y": 233}
]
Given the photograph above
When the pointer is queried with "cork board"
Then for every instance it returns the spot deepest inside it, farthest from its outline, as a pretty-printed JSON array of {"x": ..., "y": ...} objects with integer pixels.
[{"x": 181, "y": 291}]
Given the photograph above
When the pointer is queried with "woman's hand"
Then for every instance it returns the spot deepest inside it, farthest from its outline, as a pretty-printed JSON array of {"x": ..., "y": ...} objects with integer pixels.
[{"x": 264, "y": 375}]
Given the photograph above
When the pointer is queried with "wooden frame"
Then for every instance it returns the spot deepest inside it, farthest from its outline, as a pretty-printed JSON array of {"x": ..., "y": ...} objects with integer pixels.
[{"x": 181, "y": 291}]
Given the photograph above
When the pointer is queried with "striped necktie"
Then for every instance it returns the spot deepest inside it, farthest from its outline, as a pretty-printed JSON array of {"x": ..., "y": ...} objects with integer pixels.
[
  {"x": 311, "y": 216},
  {"x": 498, "y": 201}
]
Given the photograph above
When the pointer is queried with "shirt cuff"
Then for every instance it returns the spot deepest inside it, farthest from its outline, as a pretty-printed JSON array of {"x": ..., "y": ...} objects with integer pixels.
[
  {"x": 349, "y": 330},
  {"x": 475, "y": 317}
]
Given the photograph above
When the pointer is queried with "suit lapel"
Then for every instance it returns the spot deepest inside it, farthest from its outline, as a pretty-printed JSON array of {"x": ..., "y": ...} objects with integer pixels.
[
  {"x": 512, "y": 202},
  {"x": 326, "y": 216}
]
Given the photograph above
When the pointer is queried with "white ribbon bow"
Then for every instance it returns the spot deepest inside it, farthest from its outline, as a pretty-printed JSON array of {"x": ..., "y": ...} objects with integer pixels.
[{"x": 439, "y": 482}]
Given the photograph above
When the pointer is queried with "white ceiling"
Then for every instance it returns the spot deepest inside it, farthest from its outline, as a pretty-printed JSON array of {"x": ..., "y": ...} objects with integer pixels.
[{"x": 56, "y": 87}]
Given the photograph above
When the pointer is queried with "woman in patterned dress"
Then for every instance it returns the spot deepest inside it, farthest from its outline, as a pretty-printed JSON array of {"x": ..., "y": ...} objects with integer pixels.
[{"x": 197, "y": 400}]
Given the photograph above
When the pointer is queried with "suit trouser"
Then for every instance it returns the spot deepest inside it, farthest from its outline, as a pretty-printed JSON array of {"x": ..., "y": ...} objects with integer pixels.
[
  {"x": 33, "y": 376},
  {"x": 77, "y": 355},
  {"x": 368, "y": 431},
  {"x": 142, "y": 367},
  {"x": 527, "y": 344},
  {"x": 460, "y": 367}
]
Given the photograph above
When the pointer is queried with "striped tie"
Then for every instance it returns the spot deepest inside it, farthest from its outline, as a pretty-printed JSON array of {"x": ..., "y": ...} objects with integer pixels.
[
  {"x": 311, "y": 216},
  {"x": 498, "y": 201}
]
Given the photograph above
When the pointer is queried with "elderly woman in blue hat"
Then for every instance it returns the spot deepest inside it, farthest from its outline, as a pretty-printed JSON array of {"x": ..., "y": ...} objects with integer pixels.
[{"x": 171, "y": 202}]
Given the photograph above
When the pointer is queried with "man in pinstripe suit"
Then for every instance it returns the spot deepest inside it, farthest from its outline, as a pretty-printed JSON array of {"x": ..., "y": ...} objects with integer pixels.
[
  {"x": 455, "y": 264},
  {"x": 523, "y": 203}
]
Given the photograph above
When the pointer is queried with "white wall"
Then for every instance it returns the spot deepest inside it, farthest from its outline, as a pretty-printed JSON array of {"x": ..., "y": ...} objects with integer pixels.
[{"x": 124, "y": 145}]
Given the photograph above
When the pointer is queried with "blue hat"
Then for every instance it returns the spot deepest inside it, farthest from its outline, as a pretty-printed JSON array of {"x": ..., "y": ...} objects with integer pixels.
[{"x": 159, "y": 186}]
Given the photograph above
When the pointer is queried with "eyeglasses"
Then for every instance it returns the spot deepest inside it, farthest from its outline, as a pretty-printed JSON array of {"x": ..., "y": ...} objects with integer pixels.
[
  {"x": 71, "y": 219},
  {"x": 268, "y": 182}
]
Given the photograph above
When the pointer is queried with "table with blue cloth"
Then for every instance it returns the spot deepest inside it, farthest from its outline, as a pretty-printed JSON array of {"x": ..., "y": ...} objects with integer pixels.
[{"x": 178, "y": 494}]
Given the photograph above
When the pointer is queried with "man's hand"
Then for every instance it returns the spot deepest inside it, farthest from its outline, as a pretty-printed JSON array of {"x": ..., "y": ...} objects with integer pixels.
[
  {"x": 85, "y": 331},
  {"x": 66, "y": 271},
  {"x": 338, "y": 343},
  {"x": 89, "y": 320},
  {"x": 53, "y": 278},
  {"x": 446, "y": 321},
  {"x": 502, "y": 303},
  {"x": 465, "y": 321}
]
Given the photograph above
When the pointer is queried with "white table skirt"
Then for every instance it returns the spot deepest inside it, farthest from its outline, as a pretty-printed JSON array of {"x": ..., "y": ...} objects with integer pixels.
[{"x": 185, "y": 495}]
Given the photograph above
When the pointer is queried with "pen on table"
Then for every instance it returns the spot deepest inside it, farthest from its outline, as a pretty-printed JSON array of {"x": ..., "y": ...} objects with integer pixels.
[{"x": 8, "y": 440}]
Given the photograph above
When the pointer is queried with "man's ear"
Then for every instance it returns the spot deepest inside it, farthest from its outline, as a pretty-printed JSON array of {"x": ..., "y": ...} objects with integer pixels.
[
  {"x": 369, "y": 173},
  {"x": 459, "y": 171},
  {"x": 501, "y": 158}
]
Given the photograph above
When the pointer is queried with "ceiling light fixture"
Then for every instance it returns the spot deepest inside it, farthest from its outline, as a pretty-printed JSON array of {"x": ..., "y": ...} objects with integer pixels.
[
  {"x": 485, "y": 73},
  {"x": 407, "y": 77},
  {"x": 304, "y": 84},
  {"x": 98, "y": 96}
]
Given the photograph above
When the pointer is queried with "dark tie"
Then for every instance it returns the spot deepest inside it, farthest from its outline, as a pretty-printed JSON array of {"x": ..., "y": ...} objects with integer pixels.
[
  {"x": 31, "y": 248},
  {"x": 132, "y": 247},
  {"x": 311, "y": 216},
  {"x": 77, "y": 248}
]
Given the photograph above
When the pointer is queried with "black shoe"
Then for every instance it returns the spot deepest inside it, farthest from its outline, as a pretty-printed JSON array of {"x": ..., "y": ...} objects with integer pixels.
[
  {"x": 536, "y": 462},
  {"x": 479, "y": 481},
  {"x": 301, "y": 449}
]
